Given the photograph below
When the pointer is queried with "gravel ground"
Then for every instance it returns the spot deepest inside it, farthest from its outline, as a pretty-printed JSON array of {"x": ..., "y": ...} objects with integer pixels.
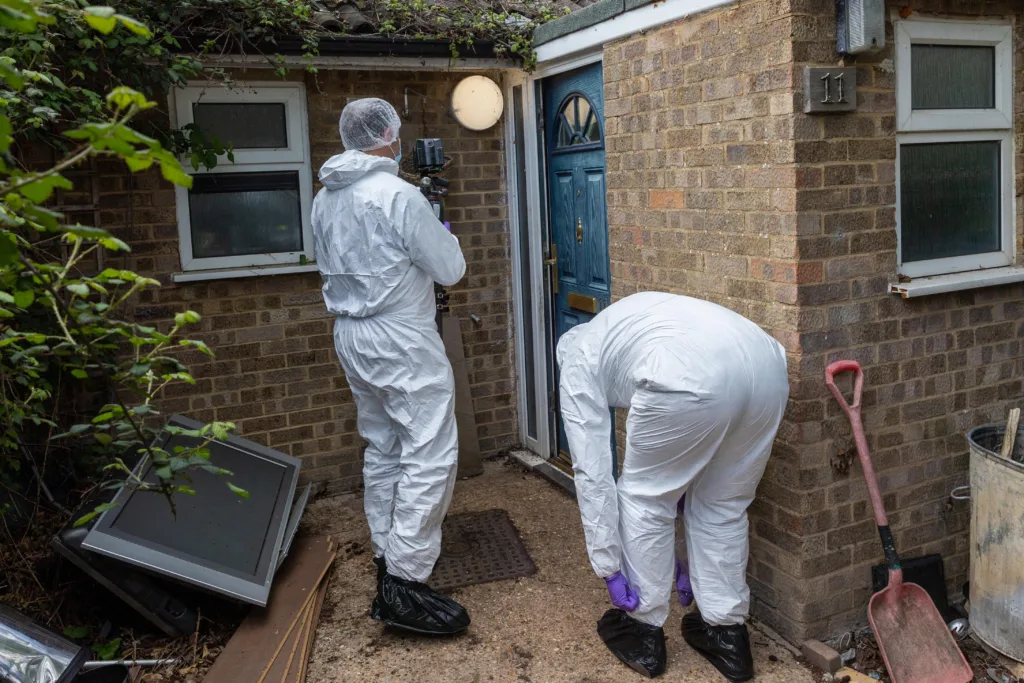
[{"x": 540, "y": 629}]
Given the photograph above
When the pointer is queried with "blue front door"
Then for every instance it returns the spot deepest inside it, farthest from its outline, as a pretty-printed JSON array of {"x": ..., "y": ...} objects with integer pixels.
[{"x": 575, "y": 155}]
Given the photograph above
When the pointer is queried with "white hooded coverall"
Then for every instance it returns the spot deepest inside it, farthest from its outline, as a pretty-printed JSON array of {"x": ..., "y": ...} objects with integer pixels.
[
  {"x": 705, "y": 389},
  {"x": 380, "y": 249}
]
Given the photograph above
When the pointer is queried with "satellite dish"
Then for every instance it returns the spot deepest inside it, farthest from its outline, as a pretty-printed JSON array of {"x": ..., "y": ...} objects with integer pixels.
[{"x": 477, "y": 103}]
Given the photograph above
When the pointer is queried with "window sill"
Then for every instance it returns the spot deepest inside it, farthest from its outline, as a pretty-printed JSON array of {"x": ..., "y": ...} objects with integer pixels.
[
  {"x": 233, "y": 273},
  {"x": 941, "y": 284}
]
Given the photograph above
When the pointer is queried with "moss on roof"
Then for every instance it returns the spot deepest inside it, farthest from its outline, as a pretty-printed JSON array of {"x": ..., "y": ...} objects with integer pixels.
[{"x": 509, "y": 26}]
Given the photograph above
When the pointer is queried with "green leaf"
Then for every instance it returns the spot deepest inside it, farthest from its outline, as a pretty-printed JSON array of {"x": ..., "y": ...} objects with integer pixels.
[
  {"x": 96, "y": 512},
  {"x": 103, "y": 439},
  {"x": 77, "y": 632},
  {"x": 240, "y": 492},
  {"x": 140, "y": 369},
  {"x": 87, "y": 232},
  {"x": 103, "y": 417},
  {"x": 40, "y": 190},
  {"x": 173, "y": 173},
  {"x": 123, "y": 98},
  {"x": 109, "y": 650},
  {"x": 186, "y": 318},
  {"x": 113, "y": 244},
  {"x": 10, "y": 74},
  {"x": 134, "y": 26},
  {"x": 24, "y": 298},
  {"x": 79, "y": 289},
  {"x": 79, "y": 373},
  {"x": 8, "y": 249},
  {"x": 5, "y": 133},
  {"x": 138, "y": 163},
  {"x": 101, "y": 18}
]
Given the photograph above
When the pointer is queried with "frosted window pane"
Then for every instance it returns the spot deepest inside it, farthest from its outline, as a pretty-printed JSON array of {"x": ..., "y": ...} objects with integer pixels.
[
  {"x": 235, "y": 214},
  {"x": 953, "y": 77},
  {"x": 950, "y": 204},
  {"x": 244, "y": 126}
]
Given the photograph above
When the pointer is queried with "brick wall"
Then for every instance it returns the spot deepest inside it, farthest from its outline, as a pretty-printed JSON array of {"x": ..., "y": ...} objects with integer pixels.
[
  {"x": 276, "y": 374},
  {"x": 935, "y": 366},
  {"x": 702, "y": 192},
  {"x": 720, "y": 188}
]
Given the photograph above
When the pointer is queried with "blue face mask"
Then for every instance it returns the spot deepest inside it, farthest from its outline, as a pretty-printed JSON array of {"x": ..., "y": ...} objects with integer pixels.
[{"x": 398, "y": 157}]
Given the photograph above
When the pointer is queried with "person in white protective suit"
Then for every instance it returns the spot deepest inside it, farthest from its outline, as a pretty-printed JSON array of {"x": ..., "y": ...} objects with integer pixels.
[
  {"x": 706, "y": 389},
  {"x": 380, "y": 249}
]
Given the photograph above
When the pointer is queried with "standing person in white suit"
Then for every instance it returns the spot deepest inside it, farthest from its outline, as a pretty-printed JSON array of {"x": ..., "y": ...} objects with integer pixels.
[
  {"x": 380, "y": 249},
  {"x": 706, "y": 389}
]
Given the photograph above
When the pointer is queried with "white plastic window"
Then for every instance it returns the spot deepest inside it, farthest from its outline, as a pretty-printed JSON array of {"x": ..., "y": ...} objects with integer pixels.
[
  {"x": 955, "y": 154},
  {"x": 253, "y": 211}
]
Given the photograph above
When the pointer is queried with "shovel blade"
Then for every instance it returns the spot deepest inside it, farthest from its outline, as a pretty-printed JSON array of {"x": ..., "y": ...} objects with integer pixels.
[{"x": 915, "y": 642}]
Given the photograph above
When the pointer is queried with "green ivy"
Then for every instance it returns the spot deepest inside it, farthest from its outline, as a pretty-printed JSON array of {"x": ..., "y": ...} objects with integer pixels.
[{"x": 60, "y": 322}]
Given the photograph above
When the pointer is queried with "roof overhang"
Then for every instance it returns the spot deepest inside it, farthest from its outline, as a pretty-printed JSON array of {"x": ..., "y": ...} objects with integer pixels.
[
  {"x": 371, "y": 53},
  {"x": 606, "y": 21}
]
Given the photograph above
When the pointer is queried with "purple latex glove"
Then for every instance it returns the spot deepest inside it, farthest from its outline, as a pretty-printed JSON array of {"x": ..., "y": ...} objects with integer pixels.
[
  {"x": 622, "y": 594},
  {"x": 683, "y": 587},
  {"x": 447, "y": 226}
]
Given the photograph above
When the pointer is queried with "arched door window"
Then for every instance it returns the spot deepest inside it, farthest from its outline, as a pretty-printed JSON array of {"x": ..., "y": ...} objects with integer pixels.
[{"x": 577, "y": 125}]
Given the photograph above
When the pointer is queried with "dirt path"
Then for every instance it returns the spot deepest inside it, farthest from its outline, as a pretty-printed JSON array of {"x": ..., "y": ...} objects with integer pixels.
[{"x": 537, "y": 629}]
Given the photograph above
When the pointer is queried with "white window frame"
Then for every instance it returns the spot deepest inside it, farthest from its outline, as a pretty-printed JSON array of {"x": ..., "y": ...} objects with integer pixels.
[
  {"x": 294, "y": 157},
  {"x": 961, "y": 125}
]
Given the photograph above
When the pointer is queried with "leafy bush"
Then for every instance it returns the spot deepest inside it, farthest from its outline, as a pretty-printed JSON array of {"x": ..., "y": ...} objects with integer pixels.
[{"x": 61, "y": 321}]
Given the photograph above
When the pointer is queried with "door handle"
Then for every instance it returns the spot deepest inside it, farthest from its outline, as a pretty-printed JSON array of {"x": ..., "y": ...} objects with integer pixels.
[
  {"x": 552, "y": 264},
  {"x": 579, "y": 230}
]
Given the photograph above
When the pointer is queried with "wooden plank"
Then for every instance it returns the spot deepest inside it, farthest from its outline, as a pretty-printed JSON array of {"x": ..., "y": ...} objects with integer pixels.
[
  {"x": 1011, "y": 433},
  {"x": 295, "y": 663},
  {"x": 470, "y": 463},
  {"x": 279, "y": 668},
  {"x": 252, "y": 650},
  {"x": 311, "y": 639}
]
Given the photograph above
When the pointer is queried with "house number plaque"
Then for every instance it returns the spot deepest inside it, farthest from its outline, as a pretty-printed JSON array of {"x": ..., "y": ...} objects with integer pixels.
[{"x": 830, "y": 89}]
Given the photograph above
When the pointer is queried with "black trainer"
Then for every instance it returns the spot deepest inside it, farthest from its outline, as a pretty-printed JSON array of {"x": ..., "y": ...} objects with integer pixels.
[
  {"x": 727, "y": 647},
  {"x": 416, "y": 607},
  {"x": 639, "y": 646}
]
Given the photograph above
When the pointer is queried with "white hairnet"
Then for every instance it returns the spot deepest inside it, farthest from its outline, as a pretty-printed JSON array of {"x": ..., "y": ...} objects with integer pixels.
[{"x": 367, "y": 124}]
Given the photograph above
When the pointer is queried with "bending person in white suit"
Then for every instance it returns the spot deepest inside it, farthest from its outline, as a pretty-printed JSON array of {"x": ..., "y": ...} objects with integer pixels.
[{"x": 706, "y": 389}]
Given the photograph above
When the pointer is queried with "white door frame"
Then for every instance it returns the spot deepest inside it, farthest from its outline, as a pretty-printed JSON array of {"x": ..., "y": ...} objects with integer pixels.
[{"x": 535, "y": 250}]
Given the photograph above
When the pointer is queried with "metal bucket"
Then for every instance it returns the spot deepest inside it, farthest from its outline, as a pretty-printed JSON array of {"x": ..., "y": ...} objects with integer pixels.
[{"x": 997, "y": 541}]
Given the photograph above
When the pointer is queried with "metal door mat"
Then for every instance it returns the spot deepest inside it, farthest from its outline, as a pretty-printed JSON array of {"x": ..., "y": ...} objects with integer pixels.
[{"x": 480, "y": 547}]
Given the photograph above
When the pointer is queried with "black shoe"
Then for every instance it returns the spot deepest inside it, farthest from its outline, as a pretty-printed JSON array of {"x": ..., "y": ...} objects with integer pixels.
[
  {"x": 416, "y": 607},
  {"x": 639, "y": 646},
  {"x": 727, "y": 647}
]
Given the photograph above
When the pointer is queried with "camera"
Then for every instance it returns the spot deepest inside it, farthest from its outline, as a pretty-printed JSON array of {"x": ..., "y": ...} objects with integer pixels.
[{"x": 429, "y": 159}]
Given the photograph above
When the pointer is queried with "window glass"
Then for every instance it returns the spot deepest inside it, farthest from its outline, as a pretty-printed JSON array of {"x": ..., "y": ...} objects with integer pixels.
[
  {"x": 577, "y": 123},
  {"x": 236, "y": 214},
  {"x": 245, "y": 126},
  {"x": 953, "y": 77},
  {"x": 949, "y": 199}
]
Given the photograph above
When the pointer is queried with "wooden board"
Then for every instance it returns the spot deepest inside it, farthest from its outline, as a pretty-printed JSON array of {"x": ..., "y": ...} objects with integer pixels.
[
  {"x": 311, "y": 636},
  {"x": 251, "y": 652},
  {"x": 279, "y": 668},
  {"x": 470, "y": 461}
]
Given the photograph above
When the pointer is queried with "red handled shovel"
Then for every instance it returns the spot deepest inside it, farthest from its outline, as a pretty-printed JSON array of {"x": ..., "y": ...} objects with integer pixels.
[{"x": 915, "y": 642}]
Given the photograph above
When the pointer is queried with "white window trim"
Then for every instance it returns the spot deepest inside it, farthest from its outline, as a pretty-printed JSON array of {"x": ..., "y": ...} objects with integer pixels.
[
  {"x": 949, "y": 33},
  {"x": 958, "y": 264},
  {"x": 294, "y": 157},
  {"x": 958, "y": 126}
]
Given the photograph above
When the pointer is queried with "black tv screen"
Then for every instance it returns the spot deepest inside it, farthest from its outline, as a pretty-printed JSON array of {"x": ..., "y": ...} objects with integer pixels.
[{"x": 215, "y": 539}]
